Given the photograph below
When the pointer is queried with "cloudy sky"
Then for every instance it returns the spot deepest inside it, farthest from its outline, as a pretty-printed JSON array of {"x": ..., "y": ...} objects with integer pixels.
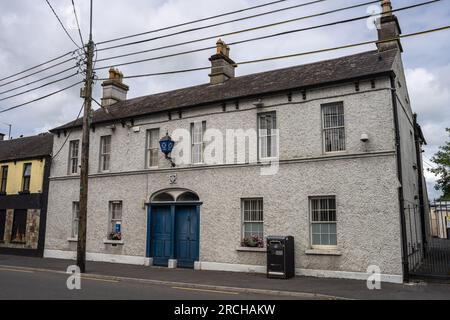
[{"x": 30, "y": 34}]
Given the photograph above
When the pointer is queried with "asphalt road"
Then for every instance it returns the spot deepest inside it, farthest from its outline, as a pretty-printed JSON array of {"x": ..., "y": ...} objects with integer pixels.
[{"x": 32, "y": 285}]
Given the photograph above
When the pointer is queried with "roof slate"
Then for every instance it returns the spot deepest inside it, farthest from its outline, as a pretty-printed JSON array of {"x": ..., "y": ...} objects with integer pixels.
[
  {"x": 258, "y": 84},
  {"x": 26, "y": 148}
]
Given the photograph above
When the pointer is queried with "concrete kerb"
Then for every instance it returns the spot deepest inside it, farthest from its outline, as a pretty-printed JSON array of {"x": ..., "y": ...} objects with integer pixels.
[{"x": 305, "y": 295}]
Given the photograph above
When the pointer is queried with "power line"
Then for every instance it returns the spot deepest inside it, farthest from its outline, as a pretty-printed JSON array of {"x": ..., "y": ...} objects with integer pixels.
[
  {"x": 293, "y": 55},
  {"x": 253, "y": 39},
  {"x": 39, "y": 71},
  {"x": 37, "y": 66},
  {"x": 78, "y": 23},
  {"x": 242, "y": 31},
  {"x": 62, "y": 25},
  {"x": 40, "y": 87},
  {"x": 40, "y": 98},
  {"x": 68, "y": 135},
  {"x": 217, "y": 24},
  {"x": 192, "y": 21},
  {"x": 38, "y": 80}
]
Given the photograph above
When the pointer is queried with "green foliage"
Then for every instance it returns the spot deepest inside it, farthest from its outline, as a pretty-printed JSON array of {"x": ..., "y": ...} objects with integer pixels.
[{"x": 442, "y": 170}]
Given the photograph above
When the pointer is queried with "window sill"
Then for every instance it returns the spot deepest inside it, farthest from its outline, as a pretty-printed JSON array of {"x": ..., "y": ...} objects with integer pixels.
[
  {"x": 114, "y": 242},
  {"x": 323, "y": 252},
  {"x": 251, "y": 249},
  {"x": 72, "y": 239}
]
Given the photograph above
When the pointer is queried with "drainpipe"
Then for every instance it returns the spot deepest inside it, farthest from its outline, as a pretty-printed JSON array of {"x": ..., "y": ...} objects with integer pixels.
[
  {"x": 405, "y": 263},
  {"x": 420, "y": 181}
]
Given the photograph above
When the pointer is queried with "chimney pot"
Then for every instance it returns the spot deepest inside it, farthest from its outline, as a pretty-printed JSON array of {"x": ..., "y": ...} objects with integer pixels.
[
  {"x": 114, "y": 90},
  {"x": 222, "y": 66},
  {"x": 389, "y": 29}
]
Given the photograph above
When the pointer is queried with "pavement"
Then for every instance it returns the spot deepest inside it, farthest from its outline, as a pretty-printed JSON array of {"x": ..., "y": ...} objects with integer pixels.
[{"x": 231, "y": 282}]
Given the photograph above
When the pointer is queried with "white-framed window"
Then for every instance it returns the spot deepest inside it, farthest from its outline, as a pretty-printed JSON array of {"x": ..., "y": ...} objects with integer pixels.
[
  {"x": 74, "y": 147},
  {"x": 115, "y": 217},
  {"x": 197, "y": 144},
  {"x": 267, "y": 135},
  {"x": 333, "y": 127},
  {"x": 75, "y": 218},
  {"x": 252, "y": 222},
  {"x": 152, "y": 148},
  {"x": 105, "y": 153},
  {"x": 323, "y": 221}
]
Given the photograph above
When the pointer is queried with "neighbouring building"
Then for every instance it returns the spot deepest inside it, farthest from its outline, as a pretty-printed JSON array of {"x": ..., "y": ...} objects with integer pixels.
[
  {"x": 337, "y": 160},
  {"x": 24, "y": 172}
]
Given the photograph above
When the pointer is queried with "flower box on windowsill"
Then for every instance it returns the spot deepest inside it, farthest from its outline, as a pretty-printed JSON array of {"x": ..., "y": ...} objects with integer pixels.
[
  {"x": 114, "y": 242},
  {"x": 251, "y": 249}
]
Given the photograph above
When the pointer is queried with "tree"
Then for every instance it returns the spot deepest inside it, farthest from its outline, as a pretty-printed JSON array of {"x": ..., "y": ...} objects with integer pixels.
[{"x": 442, "y": 170}]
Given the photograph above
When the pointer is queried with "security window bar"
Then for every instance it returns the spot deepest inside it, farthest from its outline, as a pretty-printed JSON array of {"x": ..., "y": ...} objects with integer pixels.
[
  {"x": 26, "y": 177},
  {"x": 152, "y": 148},
  {"x": 253, "y": 219},
  {"x": 19, "y": 227},
  {"x": 105, "y": 153},
  {"x": 115, "y": 213},
  {"x": 333, "y": 127},
  {"x": 197, "y": 143},
  {"x": 267, "y": 134},
  {"x": 75, "y": 218},
  {"x": 323, "y": 221},
  {"x": 4, "y": 179},
  {"x": 73, "y": 156}
]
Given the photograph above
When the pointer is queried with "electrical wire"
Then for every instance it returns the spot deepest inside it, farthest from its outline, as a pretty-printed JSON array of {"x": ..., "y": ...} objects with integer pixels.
[
  {"x": 37, "y": 66},
  {"x": 40, "y": 87},
  {"x": 192, "y": 22},
  {"x": 38, "y": 80},
  {"x": 295, "y": 54},
  {"x": 217, "y": 24},
  {"x": 78, "y": 23},
  {"x": 254, "y": 39},
  {"x": 241, "y": 31},
  {"x": 37, "y": 72},
  {"x": 68, "y": 135},
  {"x": 62, "y": 25},
  {"x": 40, "y": 98}
]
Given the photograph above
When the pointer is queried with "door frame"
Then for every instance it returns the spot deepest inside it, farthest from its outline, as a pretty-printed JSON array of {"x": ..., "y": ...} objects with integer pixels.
[{"x": 172, "y": 205}]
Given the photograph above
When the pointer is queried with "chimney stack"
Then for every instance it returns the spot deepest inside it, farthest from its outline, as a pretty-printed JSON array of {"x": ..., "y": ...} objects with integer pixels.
[
  {"x": 389, "y": 28},
  {"x": 2, "y": 136},
  {"x": 222, "y": 67},
  {"x": 114, "y": 90}
]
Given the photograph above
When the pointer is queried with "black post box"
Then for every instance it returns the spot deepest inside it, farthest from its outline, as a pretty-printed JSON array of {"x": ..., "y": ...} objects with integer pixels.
[{"x": 280, "y": 257}]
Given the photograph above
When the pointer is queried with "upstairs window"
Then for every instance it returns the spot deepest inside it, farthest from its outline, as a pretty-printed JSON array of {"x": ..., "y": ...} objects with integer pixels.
[
  {"x": 197, "y": 145},
  {"x": 4, "y": 179},
  {"x": 267, "y": 135},
  {"x": 26, "y": 177},
  {"x": 73, "y": 156},
  {"x": 105, "y": 153},
  {"x": 333, "y": 127},
  {"x": 152, "y": 148}
]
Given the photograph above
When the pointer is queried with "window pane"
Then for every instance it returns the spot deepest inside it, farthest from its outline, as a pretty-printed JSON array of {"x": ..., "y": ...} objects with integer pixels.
[
  {"x": 316, "y": 239},
  {"x": 325, "y": 239},
  {"x": 333, "y": 239}
]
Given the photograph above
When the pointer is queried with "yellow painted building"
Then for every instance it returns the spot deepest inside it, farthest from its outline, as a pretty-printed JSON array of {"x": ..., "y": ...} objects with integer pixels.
[{"x": 14, "y": 180}]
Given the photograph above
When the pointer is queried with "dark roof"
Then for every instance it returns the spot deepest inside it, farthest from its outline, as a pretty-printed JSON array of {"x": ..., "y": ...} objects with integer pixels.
[
  {"x": 26, "y": 148},
  {"x": 303, "y": 76}
]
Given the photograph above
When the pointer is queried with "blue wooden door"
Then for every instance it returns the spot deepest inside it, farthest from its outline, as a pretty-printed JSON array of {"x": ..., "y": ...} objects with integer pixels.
[
  {"x": 161, "y": 235},
  {"x": 186, "y": 236}
]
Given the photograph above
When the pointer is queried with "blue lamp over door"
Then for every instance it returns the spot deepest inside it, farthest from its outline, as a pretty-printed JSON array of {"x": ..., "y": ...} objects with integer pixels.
[{"x": 166, "y": 144}]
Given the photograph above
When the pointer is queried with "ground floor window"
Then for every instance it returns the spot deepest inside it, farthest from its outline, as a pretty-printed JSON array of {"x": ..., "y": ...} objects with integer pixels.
[
  {"x": 19, "y": 226},
  {"x": 252, "y": 223},
  {"x": 2, "y": 224},
  {"x": 115, "y": 214},
  {"x": 75, "y": 218},
  {"x": 323, "y": 221}
]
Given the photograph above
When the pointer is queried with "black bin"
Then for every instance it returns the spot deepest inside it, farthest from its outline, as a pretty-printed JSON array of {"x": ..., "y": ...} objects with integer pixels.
[{"x": 280, "y": 257}]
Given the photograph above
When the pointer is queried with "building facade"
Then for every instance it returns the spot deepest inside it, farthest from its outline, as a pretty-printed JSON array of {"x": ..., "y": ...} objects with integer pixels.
[
  {"x": 325, "y": 152},
  {"x": 24, "y": 172}
]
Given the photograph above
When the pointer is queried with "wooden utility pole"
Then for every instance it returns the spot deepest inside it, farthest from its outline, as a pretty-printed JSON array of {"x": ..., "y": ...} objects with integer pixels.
[{"x": 84, "y": 174}]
